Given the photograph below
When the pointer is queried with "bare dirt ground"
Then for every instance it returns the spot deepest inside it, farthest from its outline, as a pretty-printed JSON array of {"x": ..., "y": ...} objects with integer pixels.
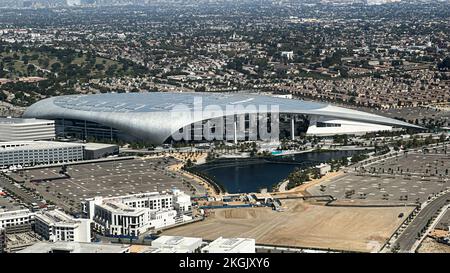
[
  {"x": 429, "y": 245},
  {"x": 195, "y": 157},
  {"x": 303, "y": 189},
  {"x": 302, "y": 225}
]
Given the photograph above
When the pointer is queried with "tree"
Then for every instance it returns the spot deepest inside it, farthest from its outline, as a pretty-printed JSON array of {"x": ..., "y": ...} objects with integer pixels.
[
  {"x": 30, "y": 69},
  {"x": 189, "y": 163},
  {"x": 25, "y": 59},
  {"x": 56, "y": 67},
  {"x": 445, "y": 64},
  {"x": 3, "y": 96},
  {"x": 396, "y": 248}
]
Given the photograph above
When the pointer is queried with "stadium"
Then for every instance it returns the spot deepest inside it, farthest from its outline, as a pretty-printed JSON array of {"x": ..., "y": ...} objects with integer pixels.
[{"x": 154, "y": 117}]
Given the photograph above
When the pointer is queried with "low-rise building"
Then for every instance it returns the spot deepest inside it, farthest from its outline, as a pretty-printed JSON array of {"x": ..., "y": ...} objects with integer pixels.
[
  {"x": 178, "y": 244},
  {"x": 230, "y": 245},
  {"x": 15, "y": 229},
  {"x": 99, "y": 150},
  {"x": 14, "y": 218},
  {"x": 30, "y": 153},
  {"x": 75, "y": 247},
  {"x": 118, "y": 219},
  {"x": 182, "y": 202},
  {"x": 132, "y": 215},
  {"x": 55, "y": 225},
  {"x": 21, "y": 129},
  {"x": 288, "y": 54},
  {"x": 323, "y": 168}
]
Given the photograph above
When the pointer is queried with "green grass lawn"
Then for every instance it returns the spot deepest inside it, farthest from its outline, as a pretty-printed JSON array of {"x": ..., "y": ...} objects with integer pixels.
[{"x": 20, "y": 69}]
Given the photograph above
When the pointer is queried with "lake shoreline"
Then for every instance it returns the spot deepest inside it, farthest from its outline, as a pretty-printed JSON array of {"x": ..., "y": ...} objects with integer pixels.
[{"x": 243, "y": 175}]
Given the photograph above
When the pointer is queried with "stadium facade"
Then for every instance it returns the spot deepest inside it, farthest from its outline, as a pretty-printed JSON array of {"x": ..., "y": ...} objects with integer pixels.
[{"x": 155, "y": 117}]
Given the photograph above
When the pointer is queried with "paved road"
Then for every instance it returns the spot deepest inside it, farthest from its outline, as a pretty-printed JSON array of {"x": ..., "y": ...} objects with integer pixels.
[
  {"x": 21, "y": 194},
  {"x": 409, "y": 236}
]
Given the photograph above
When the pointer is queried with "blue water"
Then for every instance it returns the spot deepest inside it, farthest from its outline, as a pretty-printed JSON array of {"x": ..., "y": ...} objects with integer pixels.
[{"x": 241, "y": 175}]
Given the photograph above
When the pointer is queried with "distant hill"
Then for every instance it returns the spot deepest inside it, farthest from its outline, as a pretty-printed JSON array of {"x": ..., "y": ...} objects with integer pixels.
[{"x": 67, "y": 3}]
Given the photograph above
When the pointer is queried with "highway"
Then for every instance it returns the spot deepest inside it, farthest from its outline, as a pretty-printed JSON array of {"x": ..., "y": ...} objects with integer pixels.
[{"x": 410, "y": 234}]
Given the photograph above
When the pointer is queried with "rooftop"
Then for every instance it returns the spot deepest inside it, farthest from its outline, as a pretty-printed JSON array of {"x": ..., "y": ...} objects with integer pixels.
[
  {"x": 94, "y": 146},
  {"x": 13, "y": 121},
  {"x": 176, "y": 241},
  {"x": 163, "y": 101},
  {"x": 118, "y": 207},
  {"x": 229, "y": 244},
  {"x": 56, "y": 217},
  {"x": 20, "y": 145},
  {"x": 155, "y": 116},
  {"x": 13, "y": 213},
  {"x": 75, "y": 247}
]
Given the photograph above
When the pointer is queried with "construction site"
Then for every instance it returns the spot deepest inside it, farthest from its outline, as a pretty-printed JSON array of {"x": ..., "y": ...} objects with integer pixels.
[
  {"x": 363, "y": 208},
  {"x": 303, "y": 224}
]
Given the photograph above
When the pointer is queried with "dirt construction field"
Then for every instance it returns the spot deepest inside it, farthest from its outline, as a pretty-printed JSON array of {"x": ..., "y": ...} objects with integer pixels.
[{"x": 302, "y": 225}]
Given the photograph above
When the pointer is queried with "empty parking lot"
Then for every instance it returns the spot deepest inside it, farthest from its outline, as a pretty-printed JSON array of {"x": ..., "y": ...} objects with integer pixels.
[
  {"x": 411, "y": 177},
  {"x": 112, "y": 178}
]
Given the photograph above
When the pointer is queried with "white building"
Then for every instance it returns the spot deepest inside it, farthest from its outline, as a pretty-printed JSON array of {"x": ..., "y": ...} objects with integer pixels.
[
  {"x": 327, "y": 126},
  {"x": 134, "y": 214},
  {"x": 10, "y": 218},
  {"x": 115, "y": 218},
  {"x": 230, "y": 245},
  {"x": 181, "y": 201},
  {"x": 288, "y": 54},
  {"x": 55, "y": 225},
  {"x": 176, "y": 244},
  {"x": 30, "y": 153},
  {"x": 323, "y": 168},
  {"x": 75, "y": 247},
  {"x": 18, "y": 129}
]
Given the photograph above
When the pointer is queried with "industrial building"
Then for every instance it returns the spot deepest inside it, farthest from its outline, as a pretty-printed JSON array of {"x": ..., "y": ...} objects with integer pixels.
[
  {"x": 31, "y": 153},
  {"x": 155, "y": 117},
  {"x": 135, "y": 214},
  {"x": 18, "y": 129},
  {"x": 55, "y": 225},
  {"x": 230, "y": 245}
]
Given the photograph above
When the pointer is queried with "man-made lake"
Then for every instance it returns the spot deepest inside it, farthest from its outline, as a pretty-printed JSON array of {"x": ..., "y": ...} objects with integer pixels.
[{"x": 250, "y": 175}]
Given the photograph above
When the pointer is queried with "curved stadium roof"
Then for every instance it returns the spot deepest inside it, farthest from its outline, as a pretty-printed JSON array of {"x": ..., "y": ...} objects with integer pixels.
[{"x": 150, "y": 116}]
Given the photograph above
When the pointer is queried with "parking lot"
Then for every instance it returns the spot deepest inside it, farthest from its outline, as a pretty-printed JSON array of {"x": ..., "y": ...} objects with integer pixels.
[
  {"x": 112, "y": 178},
  {"x": 411, "y": 177},
  {"x": 6, "y": 202}
]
